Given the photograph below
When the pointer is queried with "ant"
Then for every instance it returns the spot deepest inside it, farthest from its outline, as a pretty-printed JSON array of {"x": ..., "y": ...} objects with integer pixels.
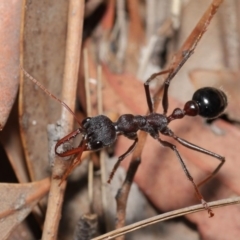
[{"x": 100, "y": 132}]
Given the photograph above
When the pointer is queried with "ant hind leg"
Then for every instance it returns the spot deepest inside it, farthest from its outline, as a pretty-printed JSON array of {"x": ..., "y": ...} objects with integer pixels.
[
  {"x": 190, "y": 178},
  {"x": 205, "y": 151}
]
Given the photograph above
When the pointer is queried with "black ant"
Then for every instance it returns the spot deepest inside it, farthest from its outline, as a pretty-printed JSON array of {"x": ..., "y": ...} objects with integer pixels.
[{"x": 100, "y": 132}]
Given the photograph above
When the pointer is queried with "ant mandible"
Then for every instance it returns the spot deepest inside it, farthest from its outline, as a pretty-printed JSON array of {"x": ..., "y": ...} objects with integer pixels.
[{"x": 100, "y": 132}]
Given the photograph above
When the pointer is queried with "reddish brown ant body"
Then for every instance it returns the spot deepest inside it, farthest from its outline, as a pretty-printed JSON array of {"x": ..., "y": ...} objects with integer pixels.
[{"x": 100, "y": 132}]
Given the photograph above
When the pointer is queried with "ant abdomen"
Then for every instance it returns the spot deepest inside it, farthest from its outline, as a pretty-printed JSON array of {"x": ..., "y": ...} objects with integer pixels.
[{"x": 207, "y": 102}]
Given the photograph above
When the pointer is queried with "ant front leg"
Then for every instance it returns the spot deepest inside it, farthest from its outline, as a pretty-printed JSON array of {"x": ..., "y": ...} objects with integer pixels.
[
  {"x": 76, "y": 153},
  {"x": 76, "y": 160},
  {"x": 121, "y": 158},
  {"x": 147, "y": 91},
  {"x": 190, "y": 178},
  {"x": 67, "y": 139}
]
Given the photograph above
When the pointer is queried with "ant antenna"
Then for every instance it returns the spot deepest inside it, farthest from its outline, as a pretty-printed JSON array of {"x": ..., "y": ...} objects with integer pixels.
[{"x": 49, "y": 93}]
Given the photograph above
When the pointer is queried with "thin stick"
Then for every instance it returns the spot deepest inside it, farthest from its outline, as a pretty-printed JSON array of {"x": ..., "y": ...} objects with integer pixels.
[
  {"x": 87, "y": 87},
  {"x": 72, "y": 60},
  {"x": 167, "y": 216},
  {"x": 90, "y": 183},
  {"x": 89, "y": 113},
  {"x": 122, "y": 40},
  {"x": 103, "y": 154},
  {"x": 99, "y": 90}
]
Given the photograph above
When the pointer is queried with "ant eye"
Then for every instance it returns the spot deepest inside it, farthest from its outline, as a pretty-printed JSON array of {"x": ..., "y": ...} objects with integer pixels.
[
  {"x": 211, "y": 101},
  {"x": 96, "y": 145},
  {"x": 85, "y": 121}
]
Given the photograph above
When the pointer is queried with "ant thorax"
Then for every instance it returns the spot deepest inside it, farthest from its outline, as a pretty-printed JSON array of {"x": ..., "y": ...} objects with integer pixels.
[{"x": 128, "y": 124}]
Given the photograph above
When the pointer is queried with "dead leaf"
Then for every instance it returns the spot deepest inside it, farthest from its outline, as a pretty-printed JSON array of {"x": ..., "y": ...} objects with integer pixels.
[
  {"x": 17, "y": 201},
  {"x": 36, "y": 109},
  {"x": 10, "y": 12},
  {"x": 128, "y": 89},
  {"x": 11, "y": 141}
]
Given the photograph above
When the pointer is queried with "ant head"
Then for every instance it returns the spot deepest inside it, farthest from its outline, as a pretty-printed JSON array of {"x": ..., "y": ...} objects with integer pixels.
[{"x": 207, "y": 102}]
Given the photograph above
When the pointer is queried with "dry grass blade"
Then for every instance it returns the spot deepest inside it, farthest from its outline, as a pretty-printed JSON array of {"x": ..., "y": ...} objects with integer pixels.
[
  {"x": 166, "y": 216},
  {"x": 89, "y": 113},
  {"x": 103, "y": 154},
  {"x": 231, "y": 34}
]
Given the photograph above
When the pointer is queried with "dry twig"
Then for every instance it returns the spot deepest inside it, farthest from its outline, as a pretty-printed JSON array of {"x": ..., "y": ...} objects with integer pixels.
[{"x": 72, "y": 59}]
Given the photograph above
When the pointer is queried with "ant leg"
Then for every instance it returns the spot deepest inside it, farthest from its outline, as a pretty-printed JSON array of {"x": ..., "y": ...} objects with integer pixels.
[
  {"x": 77, "y": 152},
  {"x": 190, "y": 178},
  {"x": 72, "y": 151},
  {"x": 202, "y": 150},
  {"x": 72, "y": 166},
  {"x": 147, "y": 91},
  {"x": 76, "y": 160},
  {"x": 130, "y": 150}
]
